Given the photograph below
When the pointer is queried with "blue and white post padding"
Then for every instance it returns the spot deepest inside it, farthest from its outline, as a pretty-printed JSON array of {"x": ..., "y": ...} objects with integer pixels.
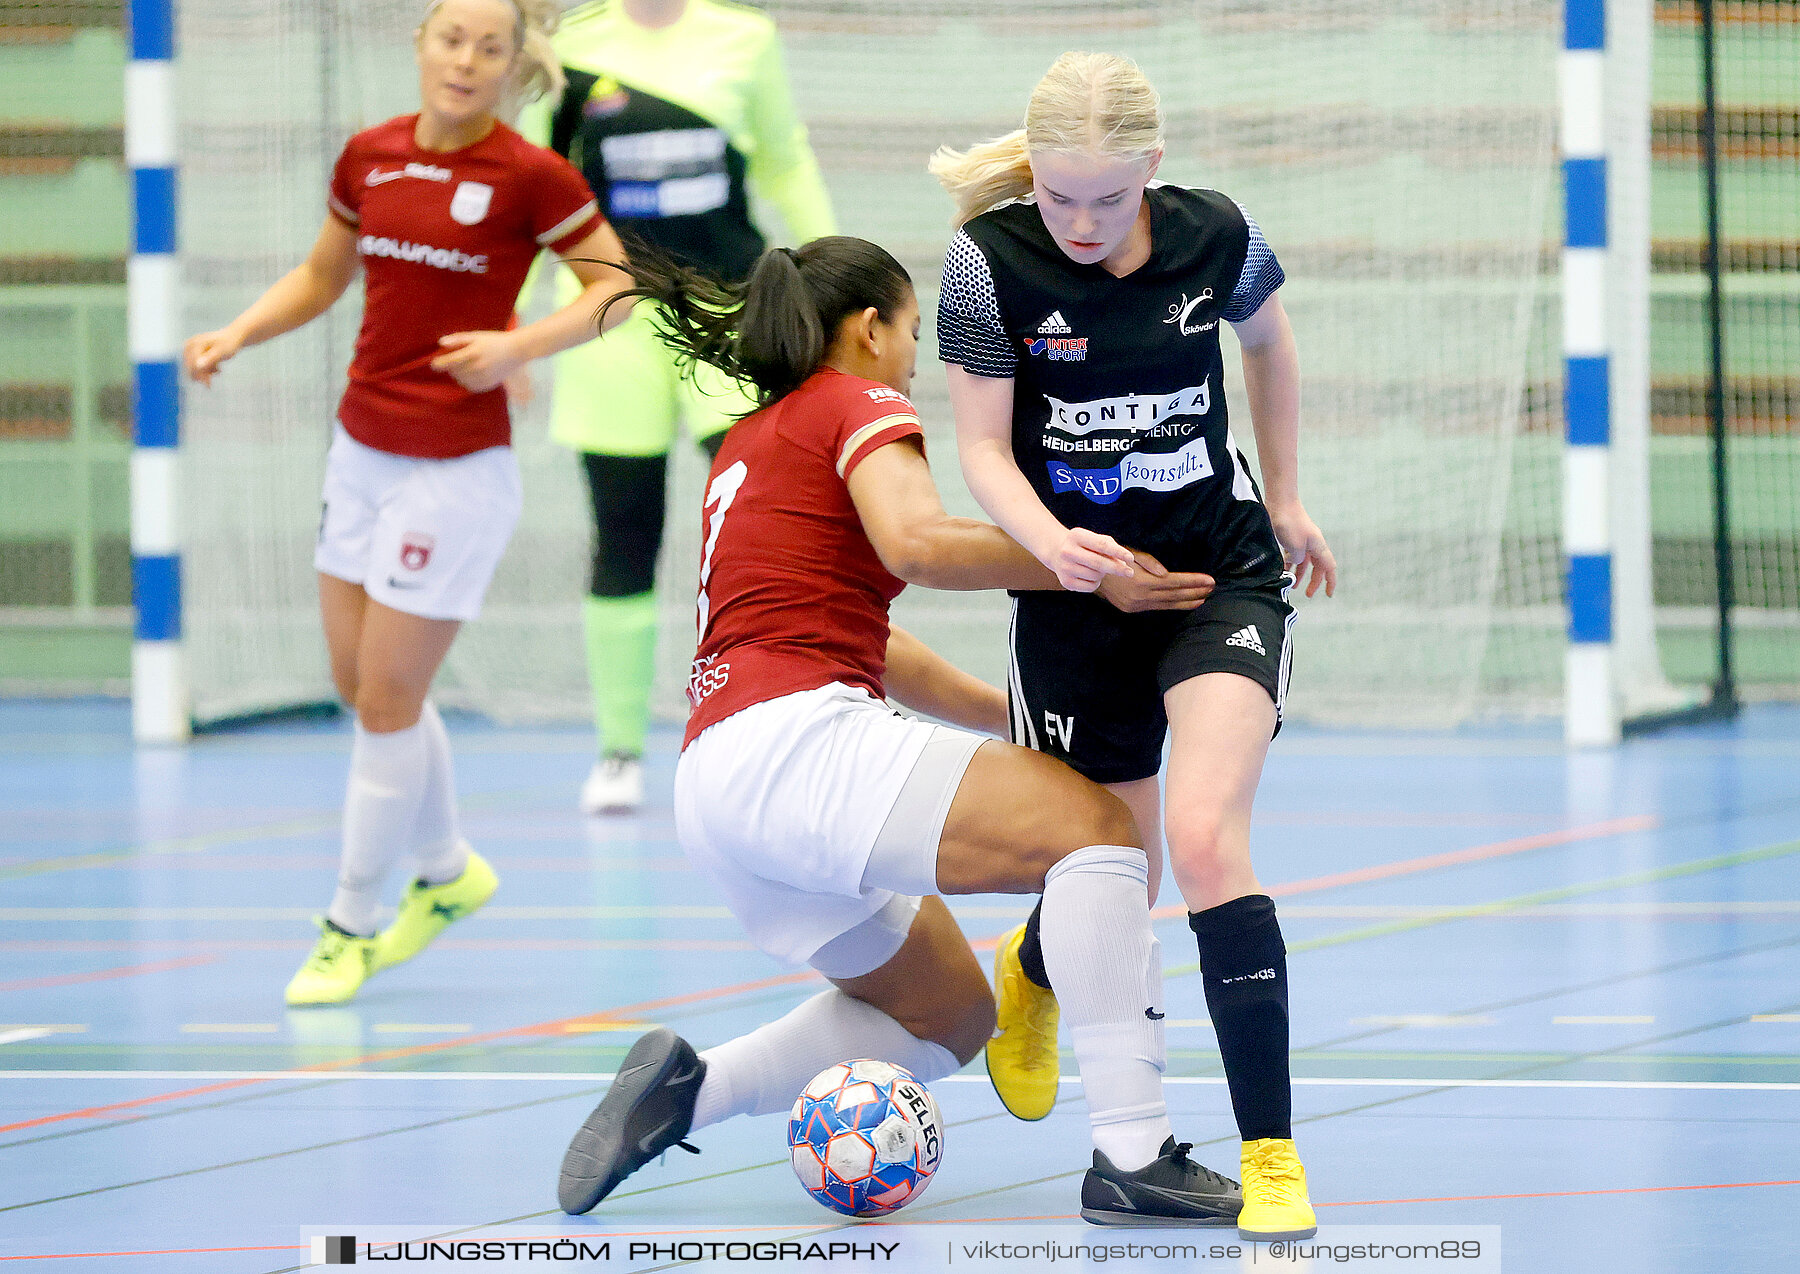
[
  {"x": 159, "y": 699},
  {"x": 1590, "y": 714}
]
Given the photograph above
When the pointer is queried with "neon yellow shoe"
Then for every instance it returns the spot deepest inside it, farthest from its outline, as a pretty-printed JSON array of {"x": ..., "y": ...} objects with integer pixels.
[
  {"x": 425, "y": 911},
  {"x": 1021, "y": 1058},
  {"x": 1275, "y": 1202},
  {"x": 339, "y": 964}
]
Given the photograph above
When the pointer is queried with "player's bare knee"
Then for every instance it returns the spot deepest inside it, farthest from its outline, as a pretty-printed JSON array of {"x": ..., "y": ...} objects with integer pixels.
[
  {"x": 1115, "y": 824},
  {"x": 1093, "y": 816},
  {"x": 1099, "y": 818},
  {"x": 1196, "y": 836},
  {"x": 958, "y": 1014},
  {"x": 968, "y": 1024},
  {"x": 384, "y": 706}
]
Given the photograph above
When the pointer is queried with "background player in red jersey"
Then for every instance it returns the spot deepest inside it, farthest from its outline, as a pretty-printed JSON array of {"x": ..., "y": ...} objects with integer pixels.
[
  {"x": 831, "y": 822},
  {"x": 446, "y": 210},
  {"x": 1080, "y": 316}
]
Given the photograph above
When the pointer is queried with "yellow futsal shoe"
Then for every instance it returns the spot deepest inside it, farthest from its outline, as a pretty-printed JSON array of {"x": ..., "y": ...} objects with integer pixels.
[
  {"x": 425, "y": 910},
  {"x": 339, "y": 964},
  {"x": 1275, "y": 1202},
  {"x": 1021, "y": 1058}
]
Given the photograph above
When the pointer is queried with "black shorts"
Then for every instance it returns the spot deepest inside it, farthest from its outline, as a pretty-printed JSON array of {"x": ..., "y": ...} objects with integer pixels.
[{"x": 1087, "y": 681}]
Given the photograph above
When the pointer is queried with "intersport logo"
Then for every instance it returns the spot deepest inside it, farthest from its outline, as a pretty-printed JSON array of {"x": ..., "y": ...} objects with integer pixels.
[{"x": 422, "y": 253}]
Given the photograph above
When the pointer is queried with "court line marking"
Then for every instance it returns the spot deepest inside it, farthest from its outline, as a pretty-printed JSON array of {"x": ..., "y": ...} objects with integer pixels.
[
  {"x": 314, "y": 825},
  {"x": 556, "y": 1027},
  {"x": 289, "y": 1090},
  {"x": 801, "y": 977},
  {"x": 1433, "y": 1089},
  {"x": 1603, "y": 1019},
  {"x": 1451, "y": 858},
  {"x": 1558, "y": 1194},
  {"x": 63, "y": 915},
  {"x": 599, "y": 1077},
  {"x": 1070, "y": 1216},
  {"x": 203, "y": 842},
  {"x": 63, "y": 945},
  {"x": 489, "y": 802},
  {"x": 229, "y": 1028},
  {"x": 26, "y": 1033},
  {"x": 106, "y": 975},
  {"x": 1473, "y": 911},
  {"x": 72, "y": 1028},
  {"x": 1536, "y": 997},
  {"x": 165, "y": 1251},
  {"x": 1699, "y": 912},
  {"x": 422, "y": 1028},
  {"x": 562, "y": 1025},
  {"x": 290, "y": 1152},
  {"x": 1482, "y": 853},
  {"x": 330, "y": 862}
]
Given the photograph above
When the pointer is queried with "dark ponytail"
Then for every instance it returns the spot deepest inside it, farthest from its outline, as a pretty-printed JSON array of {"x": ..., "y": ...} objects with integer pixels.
[{"x": 772, "y": 330}]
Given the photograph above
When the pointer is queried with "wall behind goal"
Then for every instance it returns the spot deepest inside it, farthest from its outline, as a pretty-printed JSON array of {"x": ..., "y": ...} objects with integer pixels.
[{"x": 1399, "y": 157}]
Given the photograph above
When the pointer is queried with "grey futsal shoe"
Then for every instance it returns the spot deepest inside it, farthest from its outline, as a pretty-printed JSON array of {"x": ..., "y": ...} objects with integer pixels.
[
  {"x": 649, "y": 1108},
  {"x": 1169, "y": 1190}
]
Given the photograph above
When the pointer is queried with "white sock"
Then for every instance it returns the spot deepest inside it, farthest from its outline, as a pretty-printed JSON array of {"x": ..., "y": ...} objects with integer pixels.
[
  {"x": 1105, "y": 965},
  {"x": 381, "y": 806},
  {"x": 763, "y": 1072},
  {"x": 437, "y": 837}
]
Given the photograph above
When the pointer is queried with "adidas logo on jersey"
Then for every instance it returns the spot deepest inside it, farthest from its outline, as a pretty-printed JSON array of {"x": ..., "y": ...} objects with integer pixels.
[
  {"x": 1248, "y": 638},
  {"x": 1055, "y": 325}
]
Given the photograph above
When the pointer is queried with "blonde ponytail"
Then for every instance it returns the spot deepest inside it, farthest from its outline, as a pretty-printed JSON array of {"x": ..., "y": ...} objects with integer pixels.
[
  {"x": 984, "y": 176},
  {"x": 540, "y": 72},
  {"x": 1087, "y": 103}
]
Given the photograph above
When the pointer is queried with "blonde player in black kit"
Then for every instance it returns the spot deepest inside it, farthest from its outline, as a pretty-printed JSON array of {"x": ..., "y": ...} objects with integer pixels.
[{"x": 1079, "y": 317}]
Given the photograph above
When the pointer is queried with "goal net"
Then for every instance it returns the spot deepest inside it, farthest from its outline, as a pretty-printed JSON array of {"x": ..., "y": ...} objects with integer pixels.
[
  {"x": 1758, "y": 129},
  {"x": 1399, "y": 154}
]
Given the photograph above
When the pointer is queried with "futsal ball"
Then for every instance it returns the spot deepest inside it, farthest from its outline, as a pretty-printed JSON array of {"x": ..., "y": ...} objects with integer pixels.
[{"x": 865, "y": 1137}]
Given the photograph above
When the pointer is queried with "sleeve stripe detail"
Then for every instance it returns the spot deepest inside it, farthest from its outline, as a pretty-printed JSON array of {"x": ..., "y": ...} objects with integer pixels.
[
  {"x": 568, "y": 223},
  {"x": 970, "y": 330},
  {"x": 868, "y": 431},
  {"x": 1261, "y": 275},
  {"x": 338, "y": 206}
]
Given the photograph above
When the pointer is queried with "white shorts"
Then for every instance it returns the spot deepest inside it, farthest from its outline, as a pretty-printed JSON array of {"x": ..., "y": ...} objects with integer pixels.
[
  {"x": 421, "y": 536},
  {"x": 783, "y": 803}
]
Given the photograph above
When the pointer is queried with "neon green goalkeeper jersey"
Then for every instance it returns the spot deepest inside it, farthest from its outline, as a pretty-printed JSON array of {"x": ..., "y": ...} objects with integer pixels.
[{"x": 673, "y": 126}]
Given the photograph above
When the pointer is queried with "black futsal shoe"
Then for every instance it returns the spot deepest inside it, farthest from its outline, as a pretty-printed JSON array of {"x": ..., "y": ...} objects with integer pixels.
[
  {"x": 648, "y": 1109},
  {"x": 1169, "y": 1190}
]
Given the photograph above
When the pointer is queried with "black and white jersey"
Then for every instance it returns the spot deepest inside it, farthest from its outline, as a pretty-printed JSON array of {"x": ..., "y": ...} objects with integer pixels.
[{"x": 1119, "y": 417}]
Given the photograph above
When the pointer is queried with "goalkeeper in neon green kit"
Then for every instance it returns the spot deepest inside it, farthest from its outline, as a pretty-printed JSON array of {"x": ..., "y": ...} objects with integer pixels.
[{"x": 674, "y": 111}]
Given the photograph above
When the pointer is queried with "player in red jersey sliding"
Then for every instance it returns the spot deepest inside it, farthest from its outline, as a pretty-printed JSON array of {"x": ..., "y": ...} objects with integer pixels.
[
  {"x": 831, "y": 822},
  {"x": 444, "y": 211}
]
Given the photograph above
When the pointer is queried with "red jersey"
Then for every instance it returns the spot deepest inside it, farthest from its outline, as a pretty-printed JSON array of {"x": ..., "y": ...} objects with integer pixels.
[
  {"x": 445, "y": 240},
  {"x": 792, "y": 594}
]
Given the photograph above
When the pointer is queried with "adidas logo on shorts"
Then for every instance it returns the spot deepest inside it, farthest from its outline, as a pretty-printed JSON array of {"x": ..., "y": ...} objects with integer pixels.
[
  {"x": 1055, "y": 325},
  {"x": 1248, "y": 638}
]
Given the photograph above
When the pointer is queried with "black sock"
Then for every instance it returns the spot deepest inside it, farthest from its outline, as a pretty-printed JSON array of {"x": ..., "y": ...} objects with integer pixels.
[
  {"x": 1031, "y": 949},
  {"x": 1243, "y": 965}
]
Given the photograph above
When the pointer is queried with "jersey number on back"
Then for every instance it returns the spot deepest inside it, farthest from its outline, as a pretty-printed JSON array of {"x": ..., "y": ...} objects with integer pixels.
[{"x": 722, "y": 492}]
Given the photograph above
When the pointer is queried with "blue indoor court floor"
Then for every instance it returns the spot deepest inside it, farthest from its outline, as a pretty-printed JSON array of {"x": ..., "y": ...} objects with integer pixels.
[{"x": 1551, "y": 994}]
